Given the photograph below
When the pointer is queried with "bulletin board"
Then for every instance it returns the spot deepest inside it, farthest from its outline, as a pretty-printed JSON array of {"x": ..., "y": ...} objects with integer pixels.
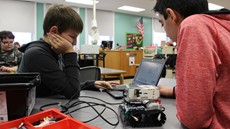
[{"x": 134, "y": 41}]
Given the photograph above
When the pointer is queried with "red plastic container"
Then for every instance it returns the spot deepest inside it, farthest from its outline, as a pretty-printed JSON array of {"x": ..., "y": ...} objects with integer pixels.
[{"x": 65, "y": 121}]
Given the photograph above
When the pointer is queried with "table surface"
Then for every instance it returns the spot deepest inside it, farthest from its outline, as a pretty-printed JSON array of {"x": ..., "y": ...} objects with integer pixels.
[
  {"x": 113, "y": 72},
  {"x": 88, "y": 113}
]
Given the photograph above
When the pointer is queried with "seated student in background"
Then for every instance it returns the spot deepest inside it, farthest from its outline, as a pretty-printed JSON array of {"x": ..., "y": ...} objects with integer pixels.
[
  {"x": 203, "y": 63},
  {"x": 54, "y": 57},
  {"x": 10, "y": 57},
  {"x": 16, "y": 44}
]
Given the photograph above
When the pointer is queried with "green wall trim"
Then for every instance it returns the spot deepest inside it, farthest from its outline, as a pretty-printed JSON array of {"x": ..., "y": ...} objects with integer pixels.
[
  {"x": 127, "y": 23},
  {"x": 82, "y": 35},
  {"x": 40, "y": 17}
]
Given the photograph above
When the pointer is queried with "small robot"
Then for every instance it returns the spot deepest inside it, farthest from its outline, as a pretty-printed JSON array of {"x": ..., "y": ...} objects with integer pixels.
[{"x": 142, "y": 107}]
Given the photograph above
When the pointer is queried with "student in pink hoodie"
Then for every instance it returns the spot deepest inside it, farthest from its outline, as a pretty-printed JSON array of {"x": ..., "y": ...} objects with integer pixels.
[{"x": 203, "y": 61}]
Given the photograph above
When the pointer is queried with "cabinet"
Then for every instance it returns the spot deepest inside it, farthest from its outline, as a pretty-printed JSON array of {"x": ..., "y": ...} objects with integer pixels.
[{"x": 123, "y": 60}]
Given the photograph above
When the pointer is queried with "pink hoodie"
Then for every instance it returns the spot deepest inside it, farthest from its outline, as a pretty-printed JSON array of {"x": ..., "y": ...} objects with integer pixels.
[{"x": 203, "y": 72}]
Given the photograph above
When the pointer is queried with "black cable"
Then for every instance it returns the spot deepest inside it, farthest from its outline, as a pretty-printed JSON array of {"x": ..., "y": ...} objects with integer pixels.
[
  {"x": 47, "y": 105},
  {"x": 69, "y": 112},
  {"x": 92, "y": 106},
  {"x": 103, "y": 117},
  {"x": 95, "y": 104},
  {"x": 71, "y": 99},
  {"x": 101, "y": 100},
  {"x": 70, "y": 104},
  {"x": 106, "y": 106}
]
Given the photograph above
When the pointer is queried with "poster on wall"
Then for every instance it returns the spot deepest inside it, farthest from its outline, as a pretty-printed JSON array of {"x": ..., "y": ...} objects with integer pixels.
[{"x": 134, "y": 41}]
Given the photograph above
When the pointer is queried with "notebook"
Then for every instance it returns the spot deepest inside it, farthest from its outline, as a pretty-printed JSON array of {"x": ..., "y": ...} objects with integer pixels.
[{"x": 149, "y": 73}]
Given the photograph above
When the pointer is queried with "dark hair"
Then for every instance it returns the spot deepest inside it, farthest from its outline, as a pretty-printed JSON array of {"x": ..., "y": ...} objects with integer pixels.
[
  {"x": 64, "y": 17},
  {"x": 6, "y": 34},
  {"x": 17, "y": 43},
  {"x": 184, "y": 7},
  {"x": 224, "y": 9},
  {"x": 220, "y": 11}
]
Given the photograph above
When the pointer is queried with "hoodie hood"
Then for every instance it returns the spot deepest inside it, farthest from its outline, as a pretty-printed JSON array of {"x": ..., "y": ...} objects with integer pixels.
[
  {"x": 39, "y": 43},
  {"x": 221, "y": 17}
]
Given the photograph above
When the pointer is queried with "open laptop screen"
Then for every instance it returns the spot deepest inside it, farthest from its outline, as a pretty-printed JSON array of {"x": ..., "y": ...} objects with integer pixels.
[{"x": 149, "y": 72}]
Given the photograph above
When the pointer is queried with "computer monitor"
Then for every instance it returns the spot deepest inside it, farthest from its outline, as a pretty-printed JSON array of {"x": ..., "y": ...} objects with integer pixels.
[{"x": 107, "y": 44}]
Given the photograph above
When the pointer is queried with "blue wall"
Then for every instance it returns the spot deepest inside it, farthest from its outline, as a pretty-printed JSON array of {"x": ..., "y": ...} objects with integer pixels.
[
  {"x": 40, "y": 17},
  {"x": 125, "y": 23},
  {"x": 82, "y": 35}
]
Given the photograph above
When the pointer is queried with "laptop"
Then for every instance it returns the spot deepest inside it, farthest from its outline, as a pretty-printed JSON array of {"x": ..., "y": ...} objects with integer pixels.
[{"x": 149, "y": 73}]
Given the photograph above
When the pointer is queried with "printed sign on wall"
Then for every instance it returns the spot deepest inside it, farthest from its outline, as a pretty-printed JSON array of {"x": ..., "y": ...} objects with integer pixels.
[{"x": 134, "y": 41}]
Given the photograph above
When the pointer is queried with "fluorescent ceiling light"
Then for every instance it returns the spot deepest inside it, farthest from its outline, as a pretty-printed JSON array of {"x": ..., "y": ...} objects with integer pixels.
[
  {"x": 130, "y": 8},
  {"x": 87, "y": 2},
  {"x": 212, "y": 6}
]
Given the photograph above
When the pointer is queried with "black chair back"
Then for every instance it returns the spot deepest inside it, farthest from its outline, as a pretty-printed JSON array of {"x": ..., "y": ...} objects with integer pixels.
[{"x": 90, "y": 73}]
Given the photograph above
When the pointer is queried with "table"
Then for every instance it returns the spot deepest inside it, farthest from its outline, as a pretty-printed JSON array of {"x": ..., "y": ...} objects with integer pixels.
[
  {"x": 96, "y": 57},
  {"x": 113, "y": 72},
  {"x": 86, "y": 114}
]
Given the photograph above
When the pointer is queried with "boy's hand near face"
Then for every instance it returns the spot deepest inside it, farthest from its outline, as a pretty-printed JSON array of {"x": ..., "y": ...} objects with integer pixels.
[{"x": 59, "y": 44}]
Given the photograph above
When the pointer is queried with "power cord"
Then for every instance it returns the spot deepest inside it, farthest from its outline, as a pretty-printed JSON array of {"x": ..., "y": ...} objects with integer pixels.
[
  {"x": 86, "y": 107},
  {"x": 101, "y": 100},
  {"x": 68, "y": 108},
  {"x": 92, "y": 105}
]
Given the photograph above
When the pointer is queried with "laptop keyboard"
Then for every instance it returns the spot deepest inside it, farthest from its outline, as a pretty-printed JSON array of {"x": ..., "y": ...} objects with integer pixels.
[
  {"x": 123, "y": 86},
  {"x": 120, "y": 87}
]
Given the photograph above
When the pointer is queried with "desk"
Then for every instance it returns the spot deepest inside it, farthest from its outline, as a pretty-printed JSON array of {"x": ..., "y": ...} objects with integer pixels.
[
  {"x": 113, "y": 72},
  {"x": 86, "y": 114}
]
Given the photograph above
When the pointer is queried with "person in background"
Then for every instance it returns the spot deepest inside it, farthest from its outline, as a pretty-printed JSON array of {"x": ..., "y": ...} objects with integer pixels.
[
  {"x": 16, "y": 44},
  {"x": 54, "y": 57},
  {"x": 203, "y": 63},
  {"x": 9, "y": 56}
]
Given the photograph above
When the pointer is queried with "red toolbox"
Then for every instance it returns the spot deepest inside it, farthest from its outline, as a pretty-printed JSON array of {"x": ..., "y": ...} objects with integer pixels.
[{"x": 62, "y": 121}]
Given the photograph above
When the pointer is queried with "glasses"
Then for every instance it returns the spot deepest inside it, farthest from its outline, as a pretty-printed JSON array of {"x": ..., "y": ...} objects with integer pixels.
[{"x": 7, "y": 43}]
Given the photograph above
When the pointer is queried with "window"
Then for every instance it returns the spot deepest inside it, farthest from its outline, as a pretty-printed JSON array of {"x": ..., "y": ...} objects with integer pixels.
[
  {"x": 22, "y": 37},
  {"x": 158, "y": 37}
]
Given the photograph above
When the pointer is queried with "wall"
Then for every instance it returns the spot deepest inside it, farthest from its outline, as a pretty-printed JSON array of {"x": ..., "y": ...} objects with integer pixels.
[
  {"x": 39, "y": 20},
  {"x": 105, "y": 23},
  {"x": 28, "y": 17},
  {"x": 82, "y": 13},
  {"x": 125, "y": 23},
  {"x": 18, "y": 16}
]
